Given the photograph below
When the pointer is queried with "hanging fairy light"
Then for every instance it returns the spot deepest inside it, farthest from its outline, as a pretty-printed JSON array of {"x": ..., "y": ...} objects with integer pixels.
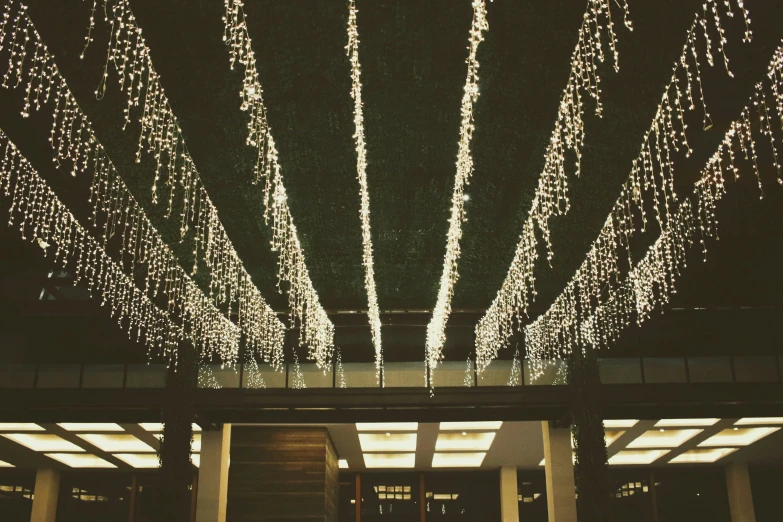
[
  {"x": 436, "y": 329},
  {"x": 39, "y": 216},
  {"x": 76, "y": 148},
  {"x": 373, "y": 312},
  {"x": 316, "y": 330},
  {"x": 651, "y": 180},
  {"x": 551, "y": 199},
  {"x": 650, "y": 284}
]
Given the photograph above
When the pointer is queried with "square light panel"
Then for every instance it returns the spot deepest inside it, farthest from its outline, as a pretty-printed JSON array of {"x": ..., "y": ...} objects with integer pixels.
[
  {"x": 702, "y": 456},
  {"x": 663, "y": 438},
  {"x": 4, "y": 464},
  {"x": 458, "y": 460},
  {"x": 620, "y": 423},
  {"x": 612, "y": 435},
  {"x": 387, "y": 441},
  {"x": 387, "y": 426},
  {"x": 737, "y": 437},
  {"x": 756, "y": 421},
  {"x": 139, "y": 460},
  {"x": 117, "y": 443},
  {"x": 196, "y": 459},
  {"x": 465, "y": 441},
  {"x": 389, "y": 460},
  {"x": 80, "y": 460},
  {"x": 677, "y": 423},
  {"x": 42, "y": 442},
  {"x": 467, "y": 426},
  {"x": 637, "y": 457},
  {"x": 90, "y": 426},
  {"x": 20, "y": 426},
  {"x": 342, "y": 464}
]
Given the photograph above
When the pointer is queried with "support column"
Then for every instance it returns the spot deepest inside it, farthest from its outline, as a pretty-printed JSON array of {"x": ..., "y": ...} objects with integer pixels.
[
  {"x": 740, "y": 495},
  {"x": 213, "y": 475},
  {"x": 559, "y": 465},
  {"x": 509, "y": 495},
  {"x": 47, "y": 489}
]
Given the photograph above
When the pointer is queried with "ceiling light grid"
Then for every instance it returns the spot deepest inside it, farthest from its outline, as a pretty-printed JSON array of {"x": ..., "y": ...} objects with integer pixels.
[
  {"x": 373, "y": 312},
  {"x": 579, "y": 315},
  {"x": 551, "y": 198},
  {"x": 387, "y": 444},
  {"x": 464, "y": 444}
]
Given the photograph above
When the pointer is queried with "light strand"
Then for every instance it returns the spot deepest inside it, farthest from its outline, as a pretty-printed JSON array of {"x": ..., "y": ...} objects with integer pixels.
[
  {"x": 317, "y": 331},
  {"x": 373, "y": 312}
]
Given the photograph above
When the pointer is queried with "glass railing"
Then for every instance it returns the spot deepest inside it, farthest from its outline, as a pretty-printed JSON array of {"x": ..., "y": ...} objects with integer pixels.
[{"x": 647, "y": 370}]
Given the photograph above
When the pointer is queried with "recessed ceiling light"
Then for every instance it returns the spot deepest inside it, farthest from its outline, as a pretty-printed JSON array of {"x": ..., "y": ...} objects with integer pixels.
[
  {"x": 80, "y": 460},
  {"x": 612, "y": 435},
  {"x": 637, "y": 457},
  {"x": 620, "y": 423},
  {"x": 342, "y": 464},
  {"x": 195, "y": 447},
  {"x": 4, "y": 464},
  {"x": 467, "y": 426},
  {"x": 20, "y": 426},
  {"x": 387, "y": 442},
  {"x": 696, "y": 456},
  {"x": 42, "y": 442},
  {"x": 755, "y": 421},
  {"x": 389, "y": 460},
  {"x": 663, "y": 438},
  {"x": 458, "y": 460},
  {"x": 387, "y": 426},
  {"x": 476, "y": 441},
  {"x": 139, "y": 460},
  {"x": 156, "y": 427},
  {"x": 741, "y": 437},
  {"x": 90, "y": 426},
  {"x": 117, "y": 443},
  {"x": 685, "y": 422}
]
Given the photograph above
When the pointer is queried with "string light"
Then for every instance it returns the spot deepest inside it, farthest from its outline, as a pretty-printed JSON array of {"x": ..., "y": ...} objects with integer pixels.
[
  {"x": 37, "y": 213},
  {"x": 436, "y": 329},
  {"x": 496, "y": 327},
  {"x": 515, "y": 376},
  {"x": 255, "y": 379},
  {"x": 373, "y": 312},
  {"x": 340, "y": 369},
  {"x": 76, "y": 149},
  {"x": 651, "y": 283},
  {"x": 316, "y": 331}
]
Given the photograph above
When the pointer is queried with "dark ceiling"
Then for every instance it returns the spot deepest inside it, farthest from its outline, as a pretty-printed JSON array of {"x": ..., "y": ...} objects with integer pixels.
[{"x": 413, "y": 61}]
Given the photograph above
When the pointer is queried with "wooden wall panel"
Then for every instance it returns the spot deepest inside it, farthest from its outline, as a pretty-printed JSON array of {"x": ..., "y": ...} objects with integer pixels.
[{"x": 282, "y": 474}]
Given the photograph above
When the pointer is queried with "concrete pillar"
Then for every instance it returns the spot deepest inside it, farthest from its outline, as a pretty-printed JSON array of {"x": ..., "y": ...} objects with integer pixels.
[
  {"x": 559, "y": 465},
  {"x": 47, "y": 489},
  {"x": 740, "y": 495},
  {"x": 509, "y": 496},
  {"x": 213, "y": 475}
]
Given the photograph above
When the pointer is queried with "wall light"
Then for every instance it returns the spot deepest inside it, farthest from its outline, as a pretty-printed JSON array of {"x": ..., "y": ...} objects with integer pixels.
[
  {"x": 458, "y": 460},
  {"x": 42, "y": 442},
  {"x": 80, "y": 460}
]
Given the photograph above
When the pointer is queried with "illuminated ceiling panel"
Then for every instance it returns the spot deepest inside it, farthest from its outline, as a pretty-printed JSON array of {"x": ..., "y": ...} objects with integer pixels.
[
  {"x": 4, "y": 464},
  {"x": 389, "y": 460},
  {"x": 196, "y": 458},
  {"x": 737, "y": 437},
  {"x": 157, "y": 427},
  {"x": 117, "y": 443},
  {"x": 613, "y": 435},
  {"x": 756, "y": 421},
  {"x": 637, "y": 457},
  {"x": 458, "y": 460},
  {"x": 620, "y": 423},
  {"x": 663, "y": 438},
  {"x": 467, "y": 426},
  {"x": 387, "y": 441},
  {"x": 342, "y": 464},
  {"x": 701, "y": 456},
  {"x": 663, "y": 423},
  {"x": 139, "y": 460},
  {"x": 90, "y": 426},
  {"x": 42, "y": 442},
  {"x": 20, "y": 426},
  {"x": 80, "y": 460},
  {"x": 387, "y": 426},
  {"x": 476, "y": 441}
]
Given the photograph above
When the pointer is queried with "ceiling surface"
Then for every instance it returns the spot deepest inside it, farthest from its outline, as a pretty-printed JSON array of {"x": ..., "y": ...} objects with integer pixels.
[{"x": 413, "y": 71}]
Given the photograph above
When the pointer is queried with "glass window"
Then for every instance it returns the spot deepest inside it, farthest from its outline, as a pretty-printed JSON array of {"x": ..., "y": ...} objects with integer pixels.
[
  {"x": 468, "y": 497},
  {"x": 631, "y": 495},
  {"x": 16, "y": 494},
  {"x": 685, "y": 495},
  {"x": 390, "y": 497},
  {"x": 94, "y": 496},
  {"x": 531, "y": 494}
]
